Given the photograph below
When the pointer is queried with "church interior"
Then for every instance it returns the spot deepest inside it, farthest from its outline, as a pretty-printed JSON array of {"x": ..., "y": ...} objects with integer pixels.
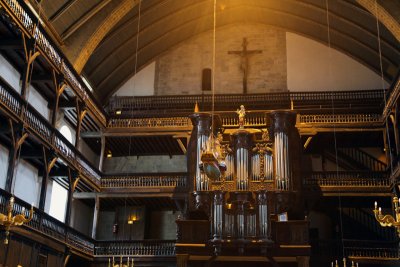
[{"x": 196, "y": 133}]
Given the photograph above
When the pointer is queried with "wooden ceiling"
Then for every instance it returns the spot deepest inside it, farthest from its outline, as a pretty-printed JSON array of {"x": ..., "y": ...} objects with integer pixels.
[{"x": 164, "y": 24}]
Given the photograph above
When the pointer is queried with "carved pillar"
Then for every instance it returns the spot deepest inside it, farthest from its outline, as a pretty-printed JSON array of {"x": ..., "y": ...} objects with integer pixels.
[
  {"x": 286, "y": 151},
  {"x": 59, "y": 87},
  {"x": 303, "y": 261},
  {"x": 73, "y": 177},
  {"x": 198, "y": 139},
  {"x": 102, "y": 151},
  {"x": 18, "y": 136},
  {"x": 30, "y": 55},
  {"x": 81, "y": 112},
  {"x": 242, "y": 142},
  {"x": 262, "y": 215},
  {"x": 49, "y": 159},
  {"x": 218, "y": 214},
  {"x": 95, "y": 216},
  {"x": 181, "y": 260}
]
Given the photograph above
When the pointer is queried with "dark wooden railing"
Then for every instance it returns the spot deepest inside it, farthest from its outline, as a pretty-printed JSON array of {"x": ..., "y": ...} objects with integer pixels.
[
  {"x": 35, "y": 123},
  {"x": 47, "y": 225},
  {"x": 355, "y": 249},
  {"x": 145, "y": 180},
  {"x": 135, "y": 248},
  {"x": 371, "y": 249},
  {"x": 285, "y": 100},
  {"x": 347, "y": 179},
  {"x": 28, "y": 22}
]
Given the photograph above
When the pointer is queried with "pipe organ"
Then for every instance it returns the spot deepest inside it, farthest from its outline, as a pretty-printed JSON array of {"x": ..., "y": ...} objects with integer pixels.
[
  {"x": 236, "y": 212},
  {"x": 256, "y": 170}
]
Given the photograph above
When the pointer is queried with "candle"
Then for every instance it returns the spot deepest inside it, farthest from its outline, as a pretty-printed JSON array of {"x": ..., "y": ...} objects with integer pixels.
[
  {"x": 113, "y": 262},
  {"x": 380, "y": 211},
  {"x": 127, "y": 262},
  {"x": 132, "y": 263},
  {"x": 109, "y": 262},
  {"x": 376, "y": 205}
]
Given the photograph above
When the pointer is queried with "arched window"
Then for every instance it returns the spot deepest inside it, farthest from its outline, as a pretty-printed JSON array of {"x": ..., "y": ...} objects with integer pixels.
[{"x": 66, "y": 132}]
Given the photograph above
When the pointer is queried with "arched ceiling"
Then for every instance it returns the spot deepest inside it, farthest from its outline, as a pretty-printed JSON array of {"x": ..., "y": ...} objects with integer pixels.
[{"x": 106, "y": 30}]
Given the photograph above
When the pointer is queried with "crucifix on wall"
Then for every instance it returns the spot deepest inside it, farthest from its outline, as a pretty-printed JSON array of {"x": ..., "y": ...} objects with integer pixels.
[{"x": 244, "y": 61}]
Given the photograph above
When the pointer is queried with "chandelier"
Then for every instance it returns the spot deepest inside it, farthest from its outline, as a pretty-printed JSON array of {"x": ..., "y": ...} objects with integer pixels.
[
  {"x": 353, "y": 264},
  {"x": 389, "y": 220},
  {"x": 113, "y": 263},
  {"x": 8, "y": 221}
]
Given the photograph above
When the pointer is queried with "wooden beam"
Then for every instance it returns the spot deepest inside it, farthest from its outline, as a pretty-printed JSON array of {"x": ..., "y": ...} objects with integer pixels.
[
  {"x": 62, "y": 10},
  {"x": 82, "y": 20}
]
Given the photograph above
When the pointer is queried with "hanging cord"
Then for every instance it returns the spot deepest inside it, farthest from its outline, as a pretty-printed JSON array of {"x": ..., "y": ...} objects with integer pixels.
[
  {"x": 213, "y": 67},
  {"x": 383, "y": 86},
  {"x": 334, "y": 126},
  {"x": 134, "y": 74}
]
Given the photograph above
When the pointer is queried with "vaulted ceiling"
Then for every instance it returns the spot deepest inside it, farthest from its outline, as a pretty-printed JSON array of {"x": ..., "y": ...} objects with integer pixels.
[{"x": 103, "y": 40}]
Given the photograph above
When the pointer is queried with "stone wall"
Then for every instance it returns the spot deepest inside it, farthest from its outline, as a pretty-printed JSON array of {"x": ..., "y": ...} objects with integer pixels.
[{"x": 179, "y": 71}]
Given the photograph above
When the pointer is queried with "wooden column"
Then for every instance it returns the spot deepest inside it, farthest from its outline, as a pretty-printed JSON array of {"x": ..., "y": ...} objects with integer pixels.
[
  {"x": 95, "y": 216},
  {"x": 81, "y": 112},
  {"x": 73, "y": 178},
  {"x": 59, "y": 87},
  {"x": 102, "y": 151},
  {"x": 30, "y": 56},
  {"x": 49, "y": 159},
  {"x": 18, "y": 137}
]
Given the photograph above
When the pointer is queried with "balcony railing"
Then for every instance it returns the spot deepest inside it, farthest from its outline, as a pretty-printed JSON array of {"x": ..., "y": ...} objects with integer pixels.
[
  {"x": 35, "y": 123},
  {"x": 47, "y": 225},
  {"x": 135, "y": 248},
  {"x": 140, "y": 181},
  {"x": 150, "y": 122},
  {"x": 347, "y": 179},
  {"x": 297, "y": 100},
  {"x": 24, "y": 17},
  {"x": 339, "y": 118},
  {"x": 371, "y": 249}
]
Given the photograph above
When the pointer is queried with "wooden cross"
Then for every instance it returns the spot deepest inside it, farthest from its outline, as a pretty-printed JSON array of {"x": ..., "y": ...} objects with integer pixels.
[{"x": 244, "y": 64}]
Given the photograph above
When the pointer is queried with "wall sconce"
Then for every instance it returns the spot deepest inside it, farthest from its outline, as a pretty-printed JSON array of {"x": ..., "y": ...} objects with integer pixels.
[
  {"x": 389, "y": 220},
  {"x": 109, "y": 154},
  {"x": 133, "y": 218}
]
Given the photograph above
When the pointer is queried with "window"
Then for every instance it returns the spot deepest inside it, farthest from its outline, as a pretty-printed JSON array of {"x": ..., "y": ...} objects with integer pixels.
[
  {"x": 58, "y": 202},
  {"x": 66, "y": 132}
]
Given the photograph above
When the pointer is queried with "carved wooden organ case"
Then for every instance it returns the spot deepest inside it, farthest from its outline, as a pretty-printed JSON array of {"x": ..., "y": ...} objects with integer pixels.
[{"x": 262, "y": 177}]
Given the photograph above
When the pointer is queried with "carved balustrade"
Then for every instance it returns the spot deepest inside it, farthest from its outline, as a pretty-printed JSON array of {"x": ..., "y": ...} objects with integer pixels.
[
  {"x": 347, "y": 179},
  {"x": 135, "y": 248},
  {"x": 137, "y": 181},
  {"x": 339, "y": 118},
  {"x": 283, "y": 100}
]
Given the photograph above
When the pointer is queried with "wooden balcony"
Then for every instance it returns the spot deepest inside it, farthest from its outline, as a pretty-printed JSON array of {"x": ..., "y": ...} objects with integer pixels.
[
  {"x": 348, "y": 183},
  {"x": 21, "y": 111},
  {"x": 27, "y": 22}
]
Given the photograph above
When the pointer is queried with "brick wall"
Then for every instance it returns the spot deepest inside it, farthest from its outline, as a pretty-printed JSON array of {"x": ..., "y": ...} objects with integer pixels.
[{"x": 179, "y": 70}]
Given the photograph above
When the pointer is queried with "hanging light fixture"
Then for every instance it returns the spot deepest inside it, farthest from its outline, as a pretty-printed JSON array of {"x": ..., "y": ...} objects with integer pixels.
[
  {"x": 389, "y": 220},
  {"x": 353, "y": 264},
  {"x": 212, "y": 159},
  {"x": 8, "y": 220}
]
